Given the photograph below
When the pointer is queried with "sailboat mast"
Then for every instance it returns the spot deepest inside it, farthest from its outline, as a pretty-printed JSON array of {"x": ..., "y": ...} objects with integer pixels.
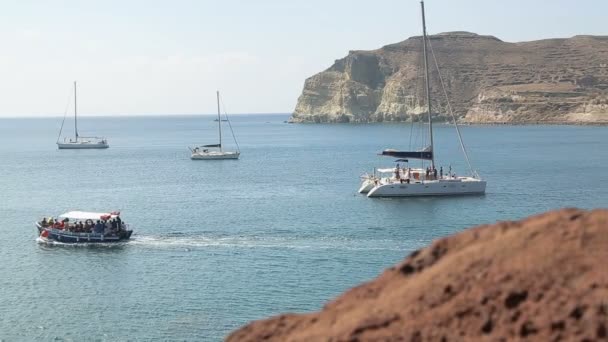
[
  {"x": 219, "y": 120},
  {"x": 427, "y": 81},
  {"x": 75, "y": 114}
]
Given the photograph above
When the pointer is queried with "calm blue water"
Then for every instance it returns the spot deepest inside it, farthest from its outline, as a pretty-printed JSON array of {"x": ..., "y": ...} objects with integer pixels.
[{"x": 221, "y": 243}]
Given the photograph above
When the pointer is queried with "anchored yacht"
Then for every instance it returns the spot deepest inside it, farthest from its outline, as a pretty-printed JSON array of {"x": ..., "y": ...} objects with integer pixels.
[
  {"x": 216, "y": 151},
  {"x": 79, "y": 142},
  {"x": 422, "y": 181}
]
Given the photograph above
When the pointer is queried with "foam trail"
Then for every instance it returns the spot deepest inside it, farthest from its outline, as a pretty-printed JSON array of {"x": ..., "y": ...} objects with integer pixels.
[{"x": 269, "y": 242}]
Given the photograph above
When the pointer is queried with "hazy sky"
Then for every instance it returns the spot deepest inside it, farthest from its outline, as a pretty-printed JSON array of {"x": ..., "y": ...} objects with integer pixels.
[{"x": 135, "y": 57}]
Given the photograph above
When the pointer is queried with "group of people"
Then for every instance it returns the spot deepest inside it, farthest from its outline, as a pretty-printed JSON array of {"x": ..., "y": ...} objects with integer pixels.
[
  {"x": 431, "y": 174},
  {"x": 112, "y": 226}
]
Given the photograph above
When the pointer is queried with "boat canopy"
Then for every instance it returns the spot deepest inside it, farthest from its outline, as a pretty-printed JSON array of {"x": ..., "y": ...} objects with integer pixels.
[
  {"x": 386, "y": 170},
  {"x": 86, "y": 215},
  {"x": 427, "y": 155},
  {"x": 213, "y": 145}
]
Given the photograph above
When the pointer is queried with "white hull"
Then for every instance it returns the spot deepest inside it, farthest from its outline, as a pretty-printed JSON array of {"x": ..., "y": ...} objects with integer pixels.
[
  {"x": 82, "y": 145},
  {"x": 443, "y": 187},
  {"x": 366, "y": 186},
  {"x": 214, "y": 155}
]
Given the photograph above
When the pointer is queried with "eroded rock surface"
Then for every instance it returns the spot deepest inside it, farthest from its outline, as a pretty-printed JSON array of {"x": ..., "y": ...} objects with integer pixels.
[
  {"x": 543, "y": 278},
  {"x": 487, "y": 81}
]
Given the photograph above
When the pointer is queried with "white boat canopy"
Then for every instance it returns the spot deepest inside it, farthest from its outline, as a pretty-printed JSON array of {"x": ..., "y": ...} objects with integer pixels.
[
  {"x": 392, "y": 169},
  {"x": 86, "y": 215}
]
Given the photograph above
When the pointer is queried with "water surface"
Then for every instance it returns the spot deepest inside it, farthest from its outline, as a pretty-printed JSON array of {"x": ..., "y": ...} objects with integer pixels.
[{"x": 220, "y": 243}]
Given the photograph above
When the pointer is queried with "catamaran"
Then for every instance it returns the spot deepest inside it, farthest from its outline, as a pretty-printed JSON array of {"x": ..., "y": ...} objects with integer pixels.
[
  {"x": 80, "y": 142},
  {"x": 216, "y": 151},
  {"x": 422, "y": 181}
]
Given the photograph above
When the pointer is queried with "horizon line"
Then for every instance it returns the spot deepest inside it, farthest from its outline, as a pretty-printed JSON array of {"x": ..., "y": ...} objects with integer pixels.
[{"x": 46, "y": 116}]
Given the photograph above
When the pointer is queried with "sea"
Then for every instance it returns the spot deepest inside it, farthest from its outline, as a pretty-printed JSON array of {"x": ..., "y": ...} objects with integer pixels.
[{"x": 218, "y": 244}]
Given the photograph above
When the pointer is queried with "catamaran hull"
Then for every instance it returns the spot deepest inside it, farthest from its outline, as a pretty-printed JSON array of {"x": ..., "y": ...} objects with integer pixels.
[
  {"x": 366, "y": 186},
  {"x": 432, "y": 188},
  {"x": 81, "y": 146},
  {"x": 215, "y": 156}
]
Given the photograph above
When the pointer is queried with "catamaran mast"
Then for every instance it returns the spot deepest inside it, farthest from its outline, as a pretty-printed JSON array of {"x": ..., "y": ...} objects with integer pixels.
[
  {"x": 428, "y": 85},
  {"x": 219, "y": 119},
  {"x": 75, "y": 114}
]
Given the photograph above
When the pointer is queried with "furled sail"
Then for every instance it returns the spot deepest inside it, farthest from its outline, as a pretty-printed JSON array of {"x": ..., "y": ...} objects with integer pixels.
[
  {"x": 214, "y": 145},
  {"x": 426, "y": 154}
]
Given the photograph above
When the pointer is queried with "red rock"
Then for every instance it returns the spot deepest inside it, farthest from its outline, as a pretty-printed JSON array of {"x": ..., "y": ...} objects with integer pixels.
[{"x": 543, "y": 278}]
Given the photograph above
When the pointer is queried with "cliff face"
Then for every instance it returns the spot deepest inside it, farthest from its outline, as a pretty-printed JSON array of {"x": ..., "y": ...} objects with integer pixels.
[
  {"x": 487, "y": 81},
  {"x": 543, "y": 279}
]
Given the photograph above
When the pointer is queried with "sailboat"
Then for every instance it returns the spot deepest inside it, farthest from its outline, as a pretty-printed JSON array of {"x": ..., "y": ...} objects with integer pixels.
[
  {"x": 216, "y": 151},
  {"x": 80, "y": 142},
  {"x": 414, "y": 182}
]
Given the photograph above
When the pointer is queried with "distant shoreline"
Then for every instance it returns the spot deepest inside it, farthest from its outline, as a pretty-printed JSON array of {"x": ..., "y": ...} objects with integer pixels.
[{"x": 523, "y": 123}]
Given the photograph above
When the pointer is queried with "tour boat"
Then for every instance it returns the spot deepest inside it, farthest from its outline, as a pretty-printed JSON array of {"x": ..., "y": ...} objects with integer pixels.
[
  {"x": 413, "y": 182},
  {"x": 80, "y": 142},
  {"x": 216, "y": 151},
  {"x": 65, "y": 231}
]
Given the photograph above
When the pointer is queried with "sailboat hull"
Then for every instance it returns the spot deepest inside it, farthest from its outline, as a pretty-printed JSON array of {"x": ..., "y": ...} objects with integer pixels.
[
  {"x": 366, "y": 186},
  {"x": 82, "y": 145},
  {"x": 214, "y": 155},
  {"x": 443, "y": 187}
]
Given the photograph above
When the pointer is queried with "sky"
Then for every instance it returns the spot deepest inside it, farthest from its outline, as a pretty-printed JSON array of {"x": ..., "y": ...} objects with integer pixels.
[{"x": 138, "y": 57}]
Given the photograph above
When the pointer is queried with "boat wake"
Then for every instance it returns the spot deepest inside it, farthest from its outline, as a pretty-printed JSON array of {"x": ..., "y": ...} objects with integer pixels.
[{"x": 193, "y": 242}]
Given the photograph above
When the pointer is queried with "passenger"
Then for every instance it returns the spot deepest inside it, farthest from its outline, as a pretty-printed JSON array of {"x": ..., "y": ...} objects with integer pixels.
[
  {"x": 119, "y": 221},
  {"x": 434, "y": 173},
  {"x": 44, "y": 222},
  {"x": 98, "y": 227},
  {"x": 441, "y": 172}
]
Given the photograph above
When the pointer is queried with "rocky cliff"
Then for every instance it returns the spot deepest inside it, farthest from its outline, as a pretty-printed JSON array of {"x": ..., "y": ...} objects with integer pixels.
[
  {"x": 486, "y": 80},
  {"x": 543, "y": 279}
]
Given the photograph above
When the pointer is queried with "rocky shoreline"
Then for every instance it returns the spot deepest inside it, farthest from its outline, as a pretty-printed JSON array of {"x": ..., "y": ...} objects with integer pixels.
[
  {"x": 559, "y": 81},
  {"x": 542, "y": 278}
]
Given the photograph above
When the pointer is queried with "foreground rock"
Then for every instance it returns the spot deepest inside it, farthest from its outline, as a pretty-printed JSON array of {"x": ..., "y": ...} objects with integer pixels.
[
  {"x": 544, "y": 278},
  {"x": 488, "y": 81}
]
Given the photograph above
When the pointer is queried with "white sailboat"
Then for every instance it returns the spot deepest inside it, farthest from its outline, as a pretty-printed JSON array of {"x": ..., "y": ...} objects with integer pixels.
[
  {"x": 216, "y": 151},
  {"x": 80, "y": 142},
  {"x": 414, "y": 182}
]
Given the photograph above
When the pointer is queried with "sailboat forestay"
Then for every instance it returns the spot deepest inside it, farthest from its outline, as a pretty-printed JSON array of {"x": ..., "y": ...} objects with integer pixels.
[
  {"x": 80, "y": 142},
  {"x": 216, "y": 151},
  {"x": 414, "y": 182}
]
